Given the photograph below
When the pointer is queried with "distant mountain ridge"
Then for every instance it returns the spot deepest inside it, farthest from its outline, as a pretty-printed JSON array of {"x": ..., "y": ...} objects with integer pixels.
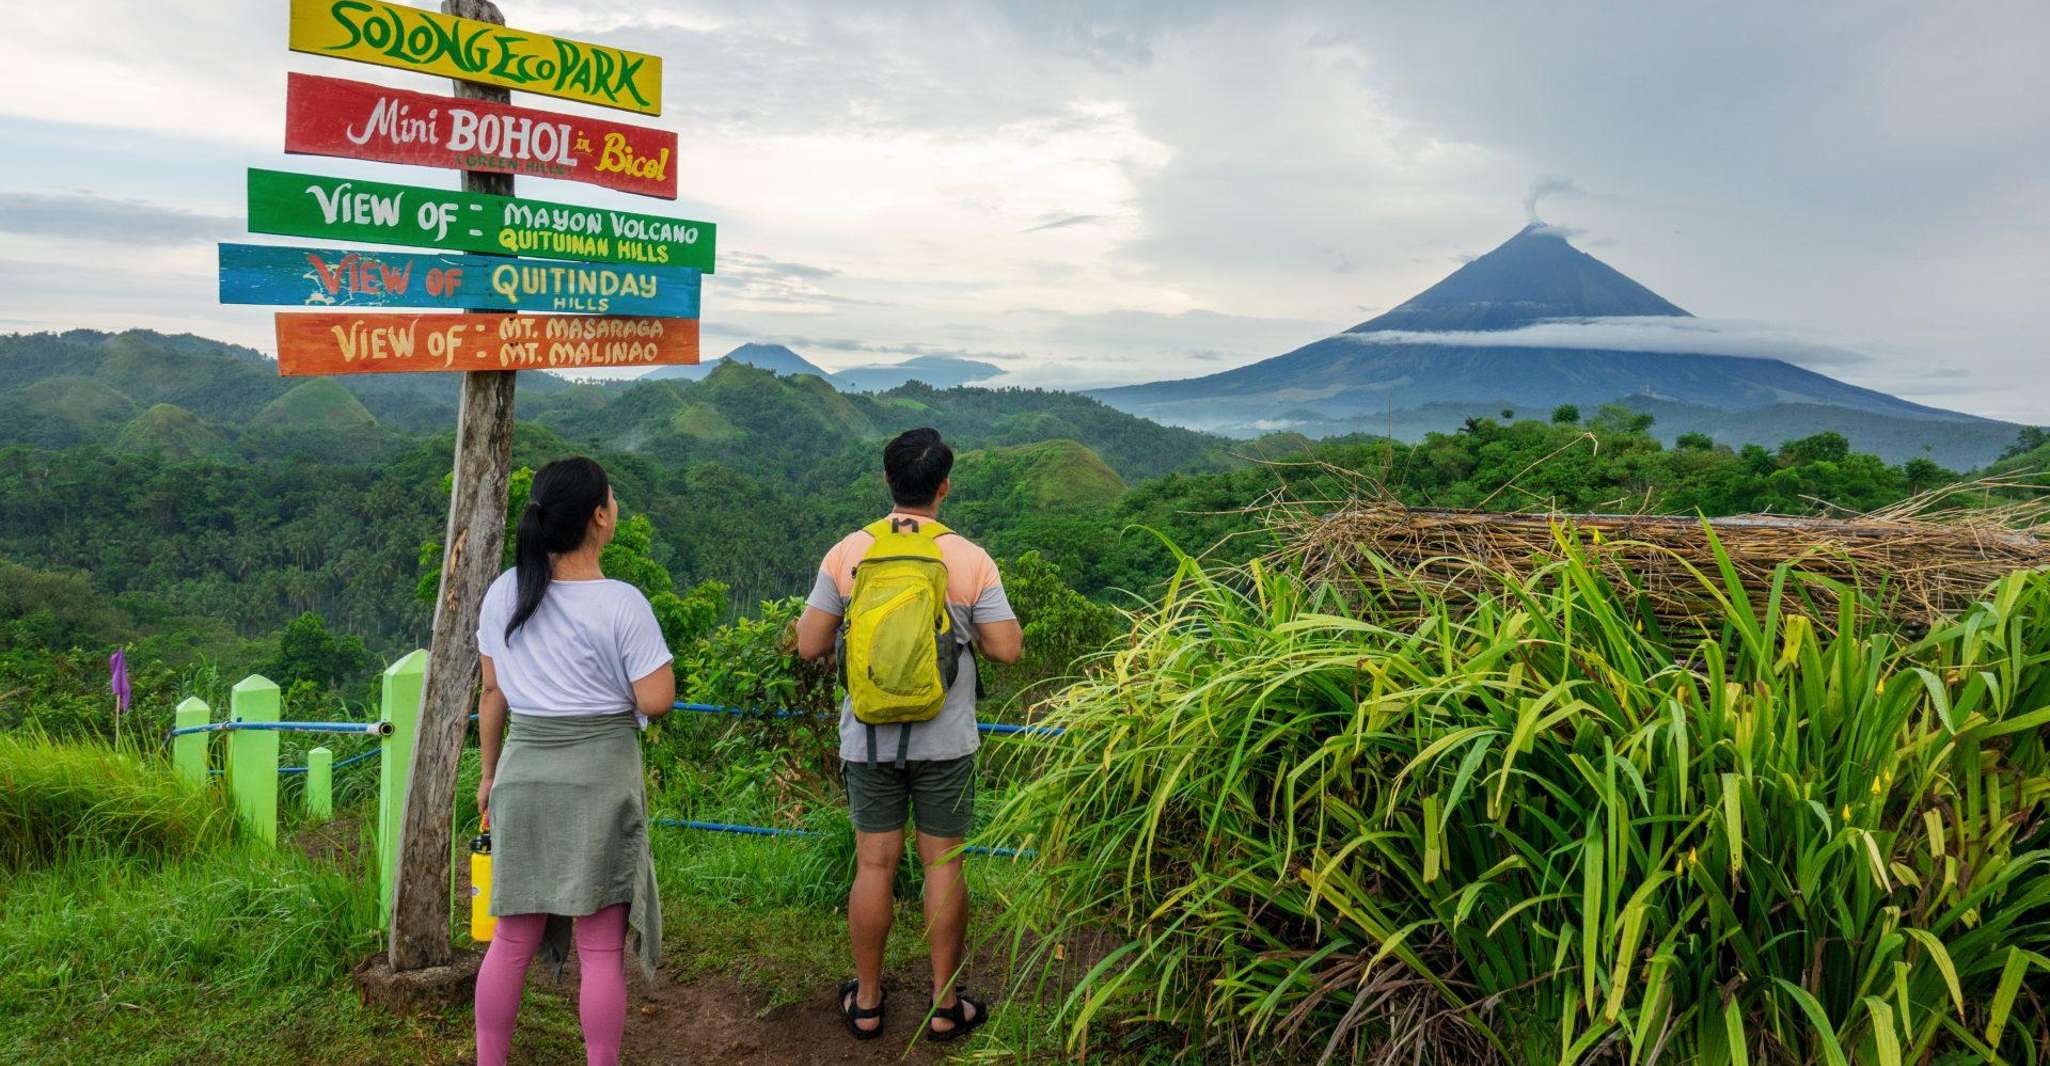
[
  {"x": 1387, "y": 371},
  {"x": 774, "y": 358},
  {"x": 939, "y": 371}
]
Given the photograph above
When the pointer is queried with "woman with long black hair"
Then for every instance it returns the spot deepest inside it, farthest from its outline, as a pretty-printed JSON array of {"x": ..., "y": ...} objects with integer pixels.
[{"x": 577, "y": 662}]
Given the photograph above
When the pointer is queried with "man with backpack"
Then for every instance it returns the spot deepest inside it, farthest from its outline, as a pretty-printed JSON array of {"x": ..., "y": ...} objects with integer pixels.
[{"x": 904, "y": 603}]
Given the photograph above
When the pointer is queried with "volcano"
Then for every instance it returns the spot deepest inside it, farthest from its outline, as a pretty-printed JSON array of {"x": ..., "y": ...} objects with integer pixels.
[{"x": 1391, "y": 375}]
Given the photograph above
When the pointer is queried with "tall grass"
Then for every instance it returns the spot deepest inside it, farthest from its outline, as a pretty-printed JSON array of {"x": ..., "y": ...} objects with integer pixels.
[
  {"x": 58, "y": 798},
  {"x": 1534, "y": 828},
  {"x": 136, "y": 925}
]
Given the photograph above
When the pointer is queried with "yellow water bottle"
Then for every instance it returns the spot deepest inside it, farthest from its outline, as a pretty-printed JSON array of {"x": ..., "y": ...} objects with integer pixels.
[{"x": 482, "y": 924}]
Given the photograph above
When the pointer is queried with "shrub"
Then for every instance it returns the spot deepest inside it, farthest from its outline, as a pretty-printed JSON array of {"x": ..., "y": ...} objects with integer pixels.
[
  {"x": 1061, "y": 626},
  {"x": 1525, "y": 829},
  {"x": 751, "y": 664}
]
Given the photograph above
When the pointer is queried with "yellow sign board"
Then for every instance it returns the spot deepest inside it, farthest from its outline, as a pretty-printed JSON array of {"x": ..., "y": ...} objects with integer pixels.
[{"x": 409, "y": 38}]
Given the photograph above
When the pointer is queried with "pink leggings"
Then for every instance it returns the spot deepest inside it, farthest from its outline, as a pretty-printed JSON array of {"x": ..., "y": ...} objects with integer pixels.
[{"x": 601, "y": 999}]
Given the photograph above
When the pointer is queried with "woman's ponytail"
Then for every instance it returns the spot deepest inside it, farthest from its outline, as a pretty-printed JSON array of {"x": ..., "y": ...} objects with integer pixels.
[{"x": 557, "y": 518}]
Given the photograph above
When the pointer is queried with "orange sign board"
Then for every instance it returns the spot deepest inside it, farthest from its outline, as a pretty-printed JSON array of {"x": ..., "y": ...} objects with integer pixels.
[{"x": 315, "y": 343}]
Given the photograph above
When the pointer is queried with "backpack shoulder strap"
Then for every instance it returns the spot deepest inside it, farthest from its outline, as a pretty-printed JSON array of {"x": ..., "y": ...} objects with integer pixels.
[{"x": 928, "y": 528}]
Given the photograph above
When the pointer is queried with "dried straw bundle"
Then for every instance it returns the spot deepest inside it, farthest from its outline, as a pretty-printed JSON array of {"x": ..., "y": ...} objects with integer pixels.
[{"x": 1916, "y": 562}]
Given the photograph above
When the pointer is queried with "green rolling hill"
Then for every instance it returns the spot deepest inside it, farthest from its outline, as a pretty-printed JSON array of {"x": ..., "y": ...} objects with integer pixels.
[
  {"x": 317, "y": 406},
  {"x": 1052, "y": 475},
  {"x": 63, "y": 410},
  {"x": 173, "y": 433}
]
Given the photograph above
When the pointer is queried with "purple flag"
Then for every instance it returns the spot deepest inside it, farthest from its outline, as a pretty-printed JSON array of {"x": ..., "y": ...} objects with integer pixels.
[{"x": 117, "y": 666}]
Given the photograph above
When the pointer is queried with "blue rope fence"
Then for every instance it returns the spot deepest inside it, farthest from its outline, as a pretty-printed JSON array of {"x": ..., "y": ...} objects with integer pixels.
[
  {"x": 996, "y": 728},
  {"x": 375, "y": 729},
  {"x": 766, "y": 831},
  {"x": 370, "y": 729},
  {"x": 384, "y": 729}
]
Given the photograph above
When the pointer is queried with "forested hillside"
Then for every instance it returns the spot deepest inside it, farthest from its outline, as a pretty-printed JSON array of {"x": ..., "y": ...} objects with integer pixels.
[
  {"x": 184, "y": 479},
  {"x": 208, "y": 503}
]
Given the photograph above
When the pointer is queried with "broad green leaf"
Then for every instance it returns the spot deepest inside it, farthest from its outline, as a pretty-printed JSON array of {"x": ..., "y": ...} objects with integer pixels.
[
  {"x": 1941, "y": 957},
  {"x": 1885, "y": 1041},
  {"x": 2004, "y": 994},
  {"x": 1590, "y": 913},
  {"x": 1872, "y": 860},
  {"x": 1733, "y": 1027},
  {"x": 1433, "y": 844},
  {"x": 1825, "y": 1036},
  {"x": 1733, "y": 820}
]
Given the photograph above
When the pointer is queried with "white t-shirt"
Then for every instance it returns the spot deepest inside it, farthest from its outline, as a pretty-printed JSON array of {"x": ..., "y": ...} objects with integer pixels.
[{"x": 579, "y": 653}]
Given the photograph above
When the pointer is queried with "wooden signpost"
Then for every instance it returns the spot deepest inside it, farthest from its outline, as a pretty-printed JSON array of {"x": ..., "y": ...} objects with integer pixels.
[
  {"x": 348, "y": 342},
  {"x": 653, "y": 300},
  {"x": 337, "y": 277},
  {"x": 471, "y": 547},
  {"x": 308, "y": 205},
  {"x": 477, "y": 51},
  {"x": 354, "y": 120}
]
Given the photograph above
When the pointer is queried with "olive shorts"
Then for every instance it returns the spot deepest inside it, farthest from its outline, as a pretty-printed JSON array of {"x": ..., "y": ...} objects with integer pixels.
[{"x": 940, "y": 791}]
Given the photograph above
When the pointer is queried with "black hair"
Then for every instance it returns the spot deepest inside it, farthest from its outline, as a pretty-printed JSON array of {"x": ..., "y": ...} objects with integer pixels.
[
  {"x": 557, "y": 518},
  {"x": 915, "y": 464}
]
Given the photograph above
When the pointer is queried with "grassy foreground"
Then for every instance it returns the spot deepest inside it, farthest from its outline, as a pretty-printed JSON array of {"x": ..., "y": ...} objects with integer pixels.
[
  {"x": 1533, "y": 828},
  {"x": 140, "y": 928}
]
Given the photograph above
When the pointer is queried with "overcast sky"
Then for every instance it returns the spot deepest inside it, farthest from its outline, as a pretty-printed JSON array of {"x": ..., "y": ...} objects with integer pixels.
[{"x": 1097, "y": 193}]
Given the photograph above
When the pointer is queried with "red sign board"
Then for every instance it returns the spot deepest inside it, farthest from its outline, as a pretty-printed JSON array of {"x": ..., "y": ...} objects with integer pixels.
[
  {"x": 368, "y": 342},
  {"x": 354, "y": 120}
]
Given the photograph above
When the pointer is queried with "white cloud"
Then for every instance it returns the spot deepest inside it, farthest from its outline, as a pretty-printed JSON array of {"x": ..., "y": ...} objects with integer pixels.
[
  {"x": 1648, "y": 333},
  {"x": 81, "y": 215}
]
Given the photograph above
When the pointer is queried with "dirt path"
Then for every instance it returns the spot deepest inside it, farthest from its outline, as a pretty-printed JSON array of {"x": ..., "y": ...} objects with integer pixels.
[{"x": 714, "y": 1020}]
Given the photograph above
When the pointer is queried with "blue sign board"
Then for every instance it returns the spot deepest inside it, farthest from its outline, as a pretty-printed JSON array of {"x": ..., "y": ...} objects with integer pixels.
[{"x": 340, "y": 277}]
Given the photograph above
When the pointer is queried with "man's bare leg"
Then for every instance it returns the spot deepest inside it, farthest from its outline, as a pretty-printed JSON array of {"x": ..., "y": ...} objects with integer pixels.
[
  {"x": 869, "y": 911},
  {"x": 946, "y": 918}
]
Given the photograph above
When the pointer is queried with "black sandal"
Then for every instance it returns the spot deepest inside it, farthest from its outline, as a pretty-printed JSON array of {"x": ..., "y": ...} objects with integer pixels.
[
  {"x": 963, "y": 1025},
  {"x": 851, "y": 1009}
]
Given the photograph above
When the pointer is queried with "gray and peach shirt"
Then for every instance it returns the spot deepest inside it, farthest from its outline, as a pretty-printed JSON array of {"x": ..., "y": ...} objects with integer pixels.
[{"x": 975, "y": 595}]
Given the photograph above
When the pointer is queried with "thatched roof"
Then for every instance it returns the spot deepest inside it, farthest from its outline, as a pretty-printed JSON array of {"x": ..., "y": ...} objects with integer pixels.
[{"x": 1917, "y": 562}]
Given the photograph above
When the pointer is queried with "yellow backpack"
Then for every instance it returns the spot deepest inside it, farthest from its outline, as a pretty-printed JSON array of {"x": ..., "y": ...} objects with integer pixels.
[{"x": 898, "y": 650}]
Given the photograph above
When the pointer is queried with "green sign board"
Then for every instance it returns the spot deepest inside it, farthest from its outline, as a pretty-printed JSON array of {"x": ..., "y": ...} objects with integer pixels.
[{"x": 351, "y": 209}]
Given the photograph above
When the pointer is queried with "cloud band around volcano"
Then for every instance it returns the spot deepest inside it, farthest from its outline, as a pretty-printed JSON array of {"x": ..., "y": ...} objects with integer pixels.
[{"x": 1638, "y": 333}]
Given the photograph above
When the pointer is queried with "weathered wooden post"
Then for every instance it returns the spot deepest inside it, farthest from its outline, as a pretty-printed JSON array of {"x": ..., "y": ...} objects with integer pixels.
[
  {"x": 403, "y": 683},
  {"x": 253, "y": 755},
  {"x": 188, "y": 752},
  {"x": 320, "y": 784},
  {"x": 471, "y": 550}
]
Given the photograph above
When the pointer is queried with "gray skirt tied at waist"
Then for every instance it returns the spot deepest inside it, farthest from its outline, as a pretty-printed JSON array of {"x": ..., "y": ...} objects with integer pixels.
[{"x": 569, "y": 830}]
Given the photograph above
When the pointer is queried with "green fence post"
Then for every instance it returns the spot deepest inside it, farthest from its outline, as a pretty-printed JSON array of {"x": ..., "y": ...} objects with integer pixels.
[
  {"x": 403, "y": 681},
  {"x": 253, "y": 755},
  {"x": 320, "y": 783},
  {"x": 188, "y": 753}
]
